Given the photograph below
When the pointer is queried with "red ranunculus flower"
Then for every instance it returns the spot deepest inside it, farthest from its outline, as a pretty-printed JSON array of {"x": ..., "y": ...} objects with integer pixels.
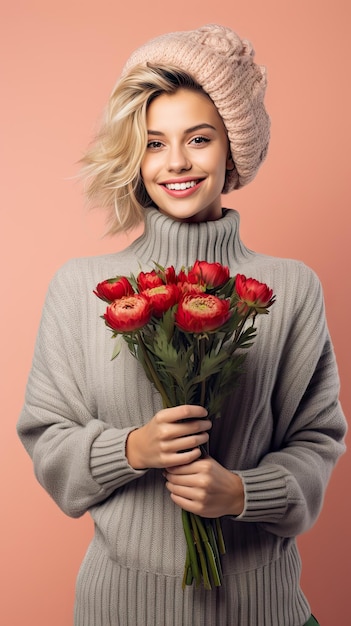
[
  {"x": 253, "y": 295},
  {"x": 188, "y": 277},
  {"x": 128, "y": 313},
  {"x": 201, "y": 313},
  {"x": 170, "y": 275},
  {"x": 210, "y": 274},
  {"x": 190, "y": 283},
  {"x": 189, "y": 288},
  {"x": 162, "y": 298},
  {"x": 148, "y": 280},
  {"x": 114, "y": 288}
]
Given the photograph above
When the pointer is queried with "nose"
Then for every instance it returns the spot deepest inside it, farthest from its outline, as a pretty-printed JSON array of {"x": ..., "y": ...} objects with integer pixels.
[{"x": 178, "y": 159}]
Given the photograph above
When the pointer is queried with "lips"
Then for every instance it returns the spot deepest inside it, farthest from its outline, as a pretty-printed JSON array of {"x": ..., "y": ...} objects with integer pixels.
[{"x": 182, "y": 187}]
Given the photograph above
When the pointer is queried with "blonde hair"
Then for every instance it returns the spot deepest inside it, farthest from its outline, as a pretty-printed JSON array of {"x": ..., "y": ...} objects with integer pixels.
[{"x": 111, "y": 165}]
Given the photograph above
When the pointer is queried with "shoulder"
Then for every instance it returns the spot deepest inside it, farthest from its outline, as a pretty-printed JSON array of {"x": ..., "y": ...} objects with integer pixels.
[
  {"x": 85, "y": 272},
  {"x": 292, "y": 274},
  {"x": 297, "y": 288},
  {"x": 283, "y": 275},
  {"x": 296, "y": 279}
]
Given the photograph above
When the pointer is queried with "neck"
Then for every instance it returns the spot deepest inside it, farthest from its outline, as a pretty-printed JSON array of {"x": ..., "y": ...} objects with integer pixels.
[{"x": 170, "y": 242}]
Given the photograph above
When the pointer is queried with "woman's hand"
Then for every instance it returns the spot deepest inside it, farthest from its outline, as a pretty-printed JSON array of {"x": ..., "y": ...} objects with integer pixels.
[
  {"x": 171, "y": 438},
  {"x": 206, "y": 488}
]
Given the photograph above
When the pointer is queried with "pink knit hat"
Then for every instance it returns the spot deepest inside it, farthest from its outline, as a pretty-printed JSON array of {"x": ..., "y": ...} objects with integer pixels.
[{"x": 223, "y": 65}]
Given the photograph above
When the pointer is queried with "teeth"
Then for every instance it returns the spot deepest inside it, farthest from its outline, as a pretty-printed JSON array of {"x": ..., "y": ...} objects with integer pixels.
[{"x": 181, "y": 186}]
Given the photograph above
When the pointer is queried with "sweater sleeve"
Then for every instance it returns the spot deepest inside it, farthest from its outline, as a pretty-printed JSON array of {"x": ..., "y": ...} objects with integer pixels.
[
  {"x": 78, "y": 458},
  {"x": 285, "y": 492}
]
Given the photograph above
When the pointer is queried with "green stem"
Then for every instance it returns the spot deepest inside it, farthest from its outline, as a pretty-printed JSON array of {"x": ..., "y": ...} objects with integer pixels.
[
  {"x": 199, "y": 542},
  {"x": 213, "y": 542},
  {"x": 155, "y": 379},
  {"x": 202, "y": 353},
  {"x": 209, "y": 553},
  {"x": 194, "y": 530},
  {"x": 188, "y": 572},
  {"x": 220, "y": 538},
  {"x": 191, "y": 547},
  {"x": 241, "y": 326}
]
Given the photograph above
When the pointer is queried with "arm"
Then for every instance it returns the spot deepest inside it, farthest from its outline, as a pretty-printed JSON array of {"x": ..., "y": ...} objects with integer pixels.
[
  {"x": 285, "y": 492},
  {"x": 78, "y": 458}
]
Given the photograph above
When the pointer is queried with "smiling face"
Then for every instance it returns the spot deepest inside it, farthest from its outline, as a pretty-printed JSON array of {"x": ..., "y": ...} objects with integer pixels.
[{"x": 187, "y": 155}]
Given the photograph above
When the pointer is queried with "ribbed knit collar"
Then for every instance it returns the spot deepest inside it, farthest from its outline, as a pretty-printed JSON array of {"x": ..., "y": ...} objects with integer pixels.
[{"x": 169, "y": 242}]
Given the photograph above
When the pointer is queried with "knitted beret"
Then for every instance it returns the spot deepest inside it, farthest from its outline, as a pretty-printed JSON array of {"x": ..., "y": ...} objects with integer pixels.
[{"x": 223, "y": 65}]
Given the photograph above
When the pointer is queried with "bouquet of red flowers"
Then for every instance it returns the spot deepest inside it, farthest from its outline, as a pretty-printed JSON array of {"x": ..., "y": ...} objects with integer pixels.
[{"x": 190, "y": 331}]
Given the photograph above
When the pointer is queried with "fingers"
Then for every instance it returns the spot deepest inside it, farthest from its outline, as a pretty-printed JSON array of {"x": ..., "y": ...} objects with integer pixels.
[
  {"x": 191, "y": 499},
  {"x": 182, "y": 421},
  {"x": 193, "y": 482},
  {"x": 185, "y": 457},
  {"x": 191, "y": 468},
  {"x": 179, "y": 440},
  {"x": 190, "y": 429},
  {"x": 206, "y": 488},
  {"x": 171, "y": 438},
  {"x": 180, "y": 429},
  {"x": 181, "y": 413}
]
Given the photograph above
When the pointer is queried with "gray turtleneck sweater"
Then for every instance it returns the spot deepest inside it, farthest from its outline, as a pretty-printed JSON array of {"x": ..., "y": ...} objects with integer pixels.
[{"x": 282, "y": 431}]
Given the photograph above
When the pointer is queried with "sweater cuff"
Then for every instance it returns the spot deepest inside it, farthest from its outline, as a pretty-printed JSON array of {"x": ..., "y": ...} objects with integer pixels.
[
  {"x": 108, "y": 462},
  {"x": 266, "y": 496}
]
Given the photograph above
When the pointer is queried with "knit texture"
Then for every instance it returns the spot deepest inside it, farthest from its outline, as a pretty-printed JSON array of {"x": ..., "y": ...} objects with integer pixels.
[
  {"x": 282, "y": 431},
  {"x": 223, "y": 64}
]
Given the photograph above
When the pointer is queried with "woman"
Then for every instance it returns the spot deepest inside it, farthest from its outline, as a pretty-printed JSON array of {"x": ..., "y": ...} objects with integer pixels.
[{"x": 185, "y": 124}]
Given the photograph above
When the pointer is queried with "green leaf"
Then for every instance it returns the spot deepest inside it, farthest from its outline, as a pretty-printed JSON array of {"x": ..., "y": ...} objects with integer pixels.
[
  {"x": 117, "y": 347},
  {"x": 167, "y": 323}
]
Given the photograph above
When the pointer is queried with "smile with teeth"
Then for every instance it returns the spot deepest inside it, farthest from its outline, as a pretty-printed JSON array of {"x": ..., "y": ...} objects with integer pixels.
[{"x": 181, "y": 186}]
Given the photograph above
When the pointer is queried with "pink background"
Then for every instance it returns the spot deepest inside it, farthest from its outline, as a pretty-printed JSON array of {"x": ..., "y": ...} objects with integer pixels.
[{"x": 61, "y": 60}]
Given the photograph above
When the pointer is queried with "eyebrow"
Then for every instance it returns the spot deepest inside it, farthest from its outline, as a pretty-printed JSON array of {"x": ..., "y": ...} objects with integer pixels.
[{"x": 187, "y": 131}]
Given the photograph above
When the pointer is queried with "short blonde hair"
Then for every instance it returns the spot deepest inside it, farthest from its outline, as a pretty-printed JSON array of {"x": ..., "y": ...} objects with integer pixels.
[{"x": 111, "y": 165}]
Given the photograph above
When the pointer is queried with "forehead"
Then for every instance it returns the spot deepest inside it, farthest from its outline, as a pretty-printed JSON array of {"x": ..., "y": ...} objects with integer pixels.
[{"x": 185, "y": 107}]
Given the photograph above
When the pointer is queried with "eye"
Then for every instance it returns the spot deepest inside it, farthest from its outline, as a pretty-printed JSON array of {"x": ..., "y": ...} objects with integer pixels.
[
  {"x": 154, "y": 145},
  {"x": 199, "y": 140}
]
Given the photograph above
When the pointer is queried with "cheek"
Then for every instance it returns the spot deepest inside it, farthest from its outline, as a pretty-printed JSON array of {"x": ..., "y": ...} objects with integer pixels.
[
  {"x": 143, "y": 169},
  {"x": 220, "y": 166},
  {"x": 214, "y": 162},
  {"x": 148, "y": 168}
]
